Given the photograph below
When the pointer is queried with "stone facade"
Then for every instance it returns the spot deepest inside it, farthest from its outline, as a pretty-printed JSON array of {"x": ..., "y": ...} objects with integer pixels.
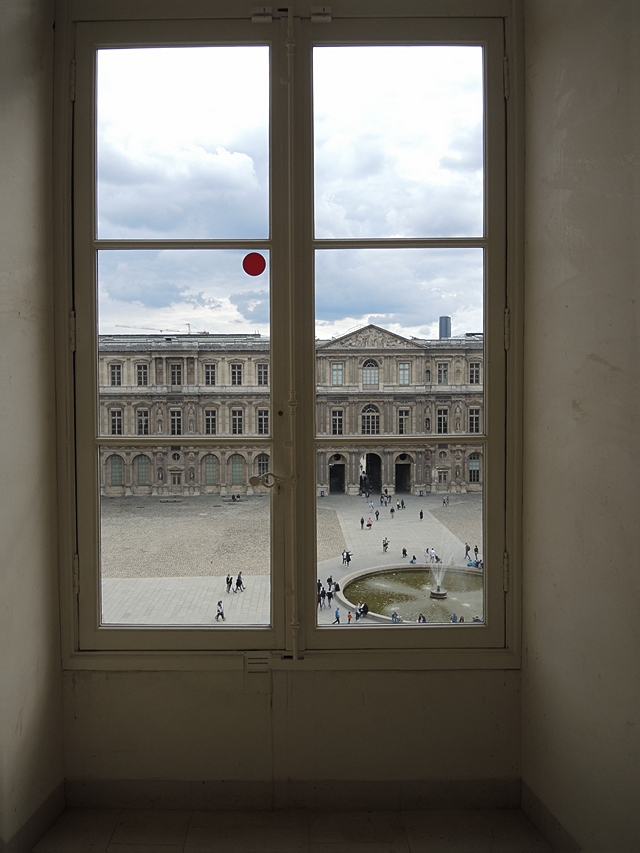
[{"x": 369, "y": 382}]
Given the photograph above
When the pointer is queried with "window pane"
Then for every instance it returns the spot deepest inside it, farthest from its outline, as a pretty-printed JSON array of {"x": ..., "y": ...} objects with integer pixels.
[
  {"x": 180, "y": 155},
  {"x": 177, "y": 514},
  {"x": 432, "y": 521},
  {"x": 398, "y": 138}
]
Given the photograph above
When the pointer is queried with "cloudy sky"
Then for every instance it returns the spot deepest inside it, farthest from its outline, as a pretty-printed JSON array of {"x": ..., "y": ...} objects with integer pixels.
[{"x": 183, "y": 152}]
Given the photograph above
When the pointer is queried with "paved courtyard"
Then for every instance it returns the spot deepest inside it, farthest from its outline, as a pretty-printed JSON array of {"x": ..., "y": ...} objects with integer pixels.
[{"x": 164, "y": 561}]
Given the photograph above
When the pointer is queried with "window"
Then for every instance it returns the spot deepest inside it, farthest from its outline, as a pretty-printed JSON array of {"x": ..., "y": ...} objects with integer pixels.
[
  {"x": 442, "y": 477},
  {"x": 176, "y": 422},
  {"x": 474, "y": 468},
  {"x": 370, "y": 373},
  {"x": 384, "y": 244},
  {"x": 116, "y": 467},
  {"x": 262, "y": 464},
  {"x": 263, "y": 422},
  {"x": 237, "y": 470},
  {"x": 474, "y": 420},
  {"x": 236, "y": 374},
  {"x": 370, "y": 421},
  {"x": 115, "y": 374},
  {"x": 142, "y": 465},
  {"x": 142, "y": 374},
  {"x": 116, "y": 421},
  {"x": 236, "y": 422},
  {"x": 210, "y": 470},
  {"x": 143, "y": 422},
  {"x": 209, "y": 374},
  {"x": 210, "y": 421},
  {"x": 474, "y": 373},
  {"x": 337, "y": 373}
]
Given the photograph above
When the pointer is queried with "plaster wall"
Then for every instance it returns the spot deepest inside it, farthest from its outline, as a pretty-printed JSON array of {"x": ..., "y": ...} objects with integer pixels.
[
  {"x": 581, "y": 708},
  {"x": 304, "y": 726},
  {"x": 31, "y": 764}
]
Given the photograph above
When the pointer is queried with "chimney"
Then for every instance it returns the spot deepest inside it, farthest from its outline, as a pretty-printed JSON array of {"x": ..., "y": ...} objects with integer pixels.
[{"x": 445, "y": 327}]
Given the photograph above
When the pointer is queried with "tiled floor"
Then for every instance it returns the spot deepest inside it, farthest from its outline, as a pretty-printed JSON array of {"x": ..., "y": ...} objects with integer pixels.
[{"x": 330, "y": 831}]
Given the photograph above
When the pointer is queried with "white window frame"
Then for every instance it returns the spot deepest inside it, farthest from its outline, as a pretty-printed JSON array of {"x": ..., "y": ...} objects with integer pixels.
[
  {"x": 142, "y": 421},
  {"x": 337, "y": 373},
  {"x": 210, "y": 421},
  {"x": 404, "y": 373},
  {"x": 236, "y": 373},
  {"x": 262, "y": 373},
  {"x": 175, "y": 371},
  {"x": 142, "y": 372},
  {"x": 210, "y": 374},
  {"x": 494, "y": 644}
]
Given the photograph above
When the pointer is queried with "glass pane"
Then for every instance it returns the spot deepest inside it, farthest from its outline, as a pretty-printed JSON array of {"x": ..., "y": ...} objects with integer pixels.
[
  {"x": 398, "y": 141},
  {"x": 183, "y": 137},
  {"x": 181, "y": 336},
  {"x": 414, "y": 548}
]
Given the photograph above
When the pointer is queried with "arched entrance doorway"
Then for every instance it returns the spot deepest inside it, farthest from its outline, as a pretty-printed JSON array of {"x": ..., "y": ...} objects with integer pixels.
[
  {"x": 371, "y": 472},
  {"x": 336, "y": 474},
  {"x": 403, "y": 473}
]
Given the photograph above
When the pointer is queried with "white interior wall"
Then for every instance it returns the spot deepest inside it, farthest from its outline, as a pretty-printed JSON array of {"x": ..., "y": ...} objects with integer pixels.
[
  {"x": 582, "y": 584},
  {"x": 31, "y": 764}
]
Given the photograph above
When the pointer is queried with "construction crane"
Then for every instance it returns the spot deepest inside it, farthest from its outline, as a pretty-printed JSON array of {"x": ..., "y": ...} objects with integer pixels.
[{"x": 148, "y": 328}]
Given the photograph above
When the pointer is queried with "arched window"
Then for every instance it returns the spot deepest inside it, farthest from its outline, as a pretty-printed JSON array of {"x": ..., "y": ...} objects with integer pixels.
[
  {"x": 474, "y": 467},
  {"x": 370, "y": 372},
  {"x": 210, "y": 470},
  {"x": 117, "y": 468},
  {"x": 370, "y": 421},
  {"x": 237, "y": 469},
  {"x": 262, "y": 464},
  {"x": 142, "y": 465}
]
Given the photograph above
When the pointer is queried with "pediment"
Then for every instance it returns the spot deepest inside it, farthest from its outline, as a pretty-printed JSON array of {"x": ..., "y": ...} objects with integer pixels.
[{"x": 370, "y": 337}]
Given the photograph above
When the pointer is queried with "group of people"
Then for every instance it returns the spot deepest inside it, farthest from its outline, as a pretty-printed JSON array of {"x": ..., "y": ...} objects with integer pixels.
[
  {"x": 239, "y": 586},
  {"x": 346, "y": 557},
  {"x": 325, "y": 594},
  {"x": 459, "y": 619},
  {"x": 475, "y": 563}
]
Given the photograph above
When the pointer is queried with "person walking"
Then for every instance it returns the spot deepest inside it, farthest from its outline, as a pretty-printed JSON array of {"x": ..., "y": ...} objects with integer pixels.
[
  {"x": 377, "y": 515},
  {"x": 349, "y": 617},
  {"x": 323, "y": 596},
  {"x": 369, "y": 524},
  {"x": 421, "y": 515},
  {"x": 329, "y": 597},
  {"x": 348, "y": 559},
  {"x": 475, "y": 551},
  {"x": 240, "y": 583},
  {"x": 229, "y": 583},
  {"x": 220, "y": 611},
  {"x": 467, "y": 548},
  {"x": 432, "y": 555},
  {"x": 385, "y": 545},
  {"x": 402, "y": 506},
  {"x": 336, "y": 621},
  {"x": 362, "y": 522},
  {"x": 392, "y": 512}
]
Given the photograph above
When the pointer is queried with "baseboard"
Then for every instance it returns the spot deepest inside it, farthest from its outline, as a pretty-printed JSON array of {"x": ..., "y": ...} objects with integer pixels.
[
  {"x": 39, "y": 822},
  {"x": 547, "y": 823},
  {"x": 293, "y": 794}
]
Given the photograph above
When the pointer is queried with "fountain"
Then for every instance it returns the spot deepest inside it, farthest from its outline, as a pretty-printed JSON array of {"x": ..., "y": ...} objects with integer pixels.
[{"x": 438, "y": 572}]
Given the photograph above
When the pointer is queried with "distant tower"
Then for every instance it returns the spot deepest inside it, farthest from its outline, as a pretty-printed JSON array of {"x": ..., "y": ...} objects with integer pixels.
[{"x": 445, "y": 327}]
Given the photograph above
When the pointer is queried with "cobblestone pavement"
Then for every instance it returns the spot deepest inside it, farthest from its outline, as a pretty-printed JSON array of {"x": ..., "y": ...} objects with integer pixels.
[{"x": 164, "y": 561}]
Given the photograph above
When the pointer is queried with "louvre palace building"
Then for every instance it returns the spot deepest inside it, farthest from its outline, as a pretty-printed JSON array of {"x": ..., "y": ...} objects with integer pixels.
[{"x": 369, "y": 382}]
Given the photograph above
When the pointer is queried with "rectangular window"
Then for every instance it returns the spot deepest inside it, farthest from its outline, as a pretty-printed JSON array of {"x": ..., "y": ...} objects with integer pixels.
[
  {"x": 474, "y": 420},
  {"x": 379, "y": 256},
  {"x": 116, "y": 421},
  {"x": 142, "y": 464},
  {"x": 176, "y": 422},
  {"x": 474, "y": 373},
  {"x": 210, "y": 422},
  {"x": 142, "y": 418},
  {"x": 115, "y": 372},
  {"x": 236, "y": 422},
  {"x": 209, "y": 374},
  {"x": 263, "y": 422},
  {"x": 142, "y": 374}
]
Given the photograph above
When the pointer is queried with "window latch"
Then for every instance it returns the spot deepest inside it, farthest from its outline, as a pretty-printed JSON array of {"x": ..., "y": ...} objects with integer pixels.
[{"x": 261, "y": 15}]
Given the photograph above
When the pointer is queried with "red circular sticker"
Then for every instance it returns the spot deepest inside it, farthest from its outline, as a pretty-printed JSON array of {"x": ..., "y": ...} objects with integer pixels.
[{"x": 253, "y": 263}]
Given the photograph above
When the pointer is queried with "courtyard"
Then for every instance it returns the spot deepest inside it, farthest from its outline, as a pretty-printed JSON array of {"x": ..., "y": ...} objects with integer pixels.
[{"x": 165, "y": 560}]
